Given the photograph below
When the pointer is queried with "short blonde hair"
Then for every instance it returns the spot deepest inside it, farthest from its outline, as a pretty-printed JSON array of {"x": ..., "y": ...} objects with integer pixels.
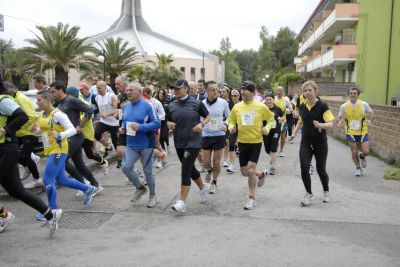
[{"x": 311, "y": 83}]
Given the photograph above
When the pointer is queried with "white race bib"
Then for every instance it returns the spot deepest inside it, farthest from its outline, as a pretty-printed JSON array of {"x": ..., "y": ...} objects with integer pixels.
[
  {"x": 45, "y": 140},
  {"x": 129, "y": 130},
  {"x": 248, "y": 119},
  {"x": 214, "y": 124},
  {"x": 355, "y": 125}
]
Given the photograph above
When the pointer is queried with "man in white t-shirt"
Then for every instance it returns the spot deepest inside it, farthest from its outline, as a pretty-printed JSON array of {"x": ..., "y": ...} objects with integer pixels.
[
  {"x": 93, "y": 89},
  {"x": 107, "y": 104}
]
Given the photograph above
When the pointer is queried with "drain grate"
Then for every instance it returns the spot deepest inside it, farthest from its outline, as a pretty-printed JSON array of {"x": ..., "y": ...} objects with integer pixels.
[{"x": 83, "y": 219}]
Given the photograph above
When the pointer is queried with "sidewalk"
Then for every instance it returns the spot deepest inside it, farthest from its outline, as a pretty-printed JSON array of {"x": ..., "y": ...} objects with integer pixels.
[{"x": 360, "y": 227}]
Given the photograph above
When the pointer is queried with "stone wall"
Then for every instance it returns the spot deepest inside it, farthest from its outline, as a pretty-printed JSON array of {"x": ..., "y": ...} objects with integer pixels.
[{"x": 384, "y": 132}]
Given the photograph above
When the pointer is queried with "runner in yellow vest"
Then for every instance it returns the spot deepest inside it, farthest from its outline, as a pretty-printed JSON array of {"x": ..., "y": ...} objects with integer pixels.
[
  {"x": 356, "y": 115},
  {"x": 283, "y": 102},
  {"x": 55, "y": 128}
]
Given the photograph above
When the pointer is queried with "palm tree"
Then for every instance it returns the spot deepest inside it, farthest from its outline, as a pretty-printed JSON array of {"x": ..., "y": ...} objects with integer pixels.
[
  {"x": 17, "y": 66},
  {"x": 118, "y": 57},
  {"x": 163, "y": 73},
  {"x": 59, "y": 49}
]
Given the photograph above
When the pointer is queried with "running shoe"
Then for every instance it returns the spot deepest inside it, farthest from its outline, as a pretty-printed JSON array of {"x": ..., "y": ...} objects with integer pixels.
[
  {"x": 158, "y": 164},
  {"x": 152, "y": 202},
  {"x": 4, "y": 222},
  {"x": 87, "y": 197},
  {"x": 40, "y": 217},
  {"x": 179, "y": 207},
  {"x": 138, "y": 194},
  {"x": 119, "y": 164},
  {"x": 204, "y": 192},
  {"x": 35, "y": 158},
  {"x": 272, "y": 171},
  {"x": 261, "y": 177},
  {"x": 250, "y": 204},
  {"x": 106, "y": 168},
  {"x": 281, "y": 154},
  {"x": 53, "y": 223},
  {"x": 358, "y": 172},
  {"x": 98, "y": 190},
  {"x": 225, "y": 163},
  {"x": 213, "y": 188},
  {"x": 326, "y": 198},
  {"x": 231, "y": 169},
  {"x": 307, "y": 200},
  {"x": 26, "y": 173},
  {"x": 36, "y": 183},
  {"x": 363, "y": 160}
]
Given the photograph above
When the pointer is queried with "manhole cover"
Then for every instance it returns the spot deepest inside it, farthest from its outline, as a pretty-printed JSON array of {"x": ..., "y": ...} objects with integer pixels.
[{"x": 84, "y": 220}]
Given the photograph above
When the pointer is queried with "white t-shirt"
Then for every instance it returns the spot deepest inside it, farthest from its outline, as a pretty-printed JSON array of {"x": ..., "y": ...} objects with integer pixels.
[
  {"x": 158, "y": 108},
  {"x": 104, "y": 102},
  {"x": 364, "y": 106}
]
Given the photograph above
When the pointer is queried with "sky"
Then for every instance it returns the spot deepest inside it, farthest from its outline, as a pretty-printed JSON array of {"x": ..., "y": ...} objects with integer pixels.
[{"x": 199, "y": 23}]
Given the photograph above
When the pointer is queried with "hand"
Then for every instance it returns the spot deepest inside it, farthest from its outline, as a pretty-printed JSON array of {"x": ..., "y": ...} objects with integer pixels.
[
  {"x": 103, "y": 115},
  {"x": 78, "y": 129},
  {"x": 223, "y": 128},
  {"x": 369, "y": 122},
  {"x": 53, "y": 134},
  {"x": 317, "y": 125},
  {"x": 198, "y": 128},
  {"x": 171, "y": 125},
  {"x": 135, "y": 126},
  {"x": 232, "y": 130},
  {"x": 281, "y": 119},
  {"x": 2, "y": 132},
  {"x": 291, "y": 138},
  {"x": 264, "y": 131},
  {"x": 122, "y": 130}
]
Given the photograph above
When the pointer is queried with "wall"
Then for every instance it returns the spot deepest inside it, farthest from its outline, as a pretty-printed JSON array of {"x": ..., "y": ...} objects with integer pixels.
[
  {"x": 384, "y": 132},
  {"x": 394, "y": 77},
  {"x": 373, "y": 31}
]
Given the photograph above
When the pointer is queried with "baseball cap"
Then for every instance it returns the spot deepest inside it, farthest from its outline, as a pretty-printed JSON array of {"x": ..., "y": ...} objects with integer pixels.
[
  {"x": 179, "y": 84},
  {"x": 72, "y": 90},
  {"x": 249, "y": 86}
]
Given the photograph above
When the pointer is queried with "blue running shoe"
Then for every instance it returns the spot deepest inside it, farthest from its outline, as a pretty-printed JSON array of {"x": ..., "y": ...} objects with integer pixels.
[
  {"x": 40, "y": 217},
  {"x": 87, "y": 197}
]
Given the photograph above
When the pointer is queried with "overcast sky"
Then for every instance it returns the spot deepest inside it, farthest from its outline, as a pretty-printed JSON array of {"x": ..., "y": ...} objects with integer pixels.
[{"x": 199, "y": 23}]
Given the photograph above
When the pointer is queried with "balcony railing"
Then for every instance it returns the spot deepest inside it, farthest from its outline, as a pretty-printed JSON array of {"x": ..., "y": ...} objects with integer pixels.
[
  {"x": 344, "y": 11},
  {"x": 338, "y": 53}
]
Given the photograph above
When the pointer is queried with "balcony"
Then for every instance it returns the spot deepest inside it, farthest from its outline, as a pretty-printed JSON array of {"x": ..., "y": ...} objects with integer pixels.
[
  {"x": 336, "y": 54},
  {"x": 342, "y": 17}
]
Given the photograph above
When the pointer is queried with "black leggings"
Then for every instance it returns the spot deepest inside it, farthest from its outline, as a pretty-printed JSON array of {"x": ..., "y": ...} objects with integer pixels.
[
  {"x": 9, "y": 179},
  {"x": 320, "y": 151},
  {"x": 290, "y": 121},
  {"x": 187, "y": 156},
  {"x": 28, "y": 146},
  {"x": 75, "y": 153},
  {"x": 102, "y": 128},
  {"x": 90, "y": 151},
  {"x": 164, "y": 134}
]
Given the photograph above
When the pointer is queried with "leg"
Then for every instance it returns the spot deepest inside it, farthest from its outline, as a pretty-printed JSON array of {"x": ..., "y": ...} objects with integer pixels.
[
  {"x": 188, "y": 171},
  {"x": 305, "y": 154},
  {"x": 90, "y": 151},
  {"x": 25, "y": 156},
  {"x": 354, "y": 153},
  {"x": 252, "y": 178},
  {"x": 217, "y": 163},
  {"x": 146, "y": 158},
  {"x": 321, "y": 154},
  {"x": 130, "y": 158}
]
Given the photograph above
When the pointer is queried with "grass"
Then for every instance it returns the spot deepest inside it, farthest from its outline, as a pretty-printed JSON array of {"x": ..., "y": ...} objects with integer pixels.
[{"x": 392, "y": 174}]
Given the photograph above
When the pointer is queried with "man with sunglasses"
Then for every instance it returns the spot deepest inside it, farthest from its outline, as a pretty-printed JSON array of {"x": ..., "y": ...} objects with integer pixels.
[{"x": 247, "y": 118}]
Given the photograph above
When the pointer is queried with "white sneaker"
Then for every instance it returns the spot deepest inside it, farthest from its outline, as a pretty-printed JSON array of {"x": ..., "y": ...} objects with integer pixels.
[
  {"x": 4, "y": 222},
  {"x": 179, "y": 207},
  {"x": 138, "y": 194},
  {"x": 204, "y": 192},
  {"x": 97, "y": 190},
  {"x": 326, "y": 198},
  {"x": 53, "y": 223},
  {"x": 231, "y": 169},
  {"x": 358, "y": 172},
  {"x": 106, "y": 168},
  {"x": 281, "y": 154},
  {"x": 225, "y": 163},
  {"x": 36, "y": 183},
  {"x": 261, "y": 180},
  {"x": 308, "y": 198},
  {"x": 169, "y": 150},
  {"x": 213, "y": 188},
  {"x": 25, "y": 175},
  {"x": 153, "y": 201},
  {"x": 250, "y": 204},
  {"x": 158, "y": 164},
  {"x": 79, "y": 193}
]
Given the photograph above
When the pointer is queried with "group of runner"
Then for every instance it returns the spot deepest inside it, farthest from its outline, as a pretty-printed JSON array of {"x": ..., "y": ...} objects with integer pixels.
[{"x": 209, "y": 123}]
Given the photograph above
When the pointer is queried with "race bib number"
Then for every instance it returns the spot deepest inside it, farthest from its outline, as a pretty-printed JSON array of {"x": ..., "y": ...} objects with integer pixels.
[
  {"x": 45, "y": 140},
  {"x": 248, "y": 119},
  {"x": 129, "y": 130},
  {"x": 355, "y": 125},
  {"x": 214, "y": 124}
]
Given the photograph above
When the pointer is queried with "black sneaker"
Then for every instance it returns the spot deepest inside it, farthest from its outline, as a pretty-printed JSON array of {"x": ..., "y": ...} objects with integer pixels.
[{"x": 119, "y": 164}]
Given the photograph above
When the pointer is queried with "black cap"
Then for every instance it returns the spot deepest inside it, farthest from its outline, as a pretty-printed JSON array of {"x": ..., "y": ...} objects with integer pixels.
[
  {"x": 249, "y": 86},
  {"x": 180, "y": 84}
]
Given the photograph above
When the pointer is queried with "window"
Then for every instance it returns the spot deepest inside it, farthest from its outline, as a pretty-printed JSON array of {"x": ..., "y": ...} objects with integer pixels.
[
  {"x": 203, "y": 73},
  {"x": 192, "y": 74}
]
